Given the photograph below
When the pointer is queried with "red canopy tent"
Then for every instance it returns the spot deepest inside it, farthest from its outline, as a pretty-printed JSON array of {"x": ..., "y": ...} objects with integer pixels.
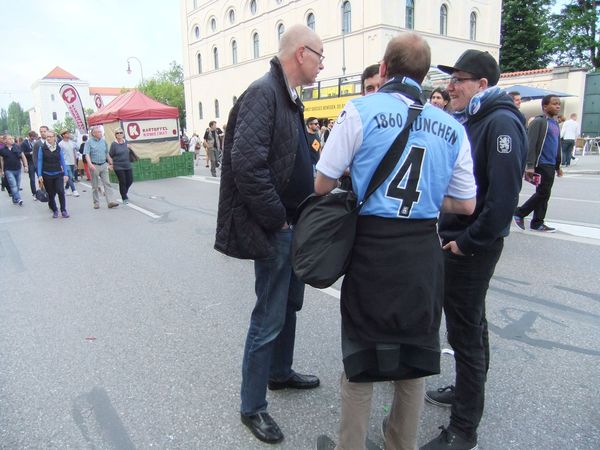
[
  {"x": 133, "y": 105},
  {"x": 151, "y": 128}
]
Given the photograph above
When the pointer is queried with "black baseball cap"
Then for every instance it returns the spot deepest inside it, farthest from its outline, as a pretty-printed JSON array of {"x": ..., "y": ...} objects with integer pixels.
[{"x": 481, "y": 64}]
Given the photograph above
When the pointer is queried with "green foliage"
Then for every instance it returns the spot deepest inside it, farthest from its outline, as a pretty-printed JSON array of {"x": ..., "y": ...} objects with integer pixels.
[
  {"x": 15, "y": 120},
  {"x": 69, "y": 124},
  {"x": 3, "y": 120},
  {"x": 575, "y": 39},
  {"x": 524, "y": 36},
  {"x": 167, "y": 87}
]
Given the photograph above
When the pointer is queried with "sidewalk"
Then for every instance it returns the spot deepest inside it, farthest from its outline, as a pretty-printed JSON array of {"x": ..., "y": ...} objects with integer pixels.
[{"x": 588, "y": 164}]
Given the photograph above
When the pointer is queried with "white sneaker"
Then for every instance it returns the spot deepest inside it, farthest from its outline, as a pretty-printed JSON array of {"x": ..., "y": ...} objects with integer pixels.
[{"x": 76, "y": 194}]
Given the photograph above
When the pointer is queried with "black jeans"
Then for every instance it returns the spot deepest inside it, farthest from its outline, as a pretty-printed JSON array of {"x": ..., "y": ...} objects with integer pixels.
[
  {"x": 31, "y": 174},
  {"x": 125, "y": 177},
  {"x": 55, "y": 185},
  {"x": 538, "y": 202},
  {"x": 467, "y": 279},
  {"x": 567, "y": 151}
]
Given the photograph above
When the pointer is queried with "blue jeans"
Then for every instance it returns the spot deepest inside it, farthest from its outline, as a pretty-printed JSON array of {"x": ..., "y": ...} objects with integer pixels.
[
  {"x": 269, "y": 349},
  {"x": 14, "y": 182},
  {"x": 467, "y": 279},
  {"x": 70, "y": 182}
]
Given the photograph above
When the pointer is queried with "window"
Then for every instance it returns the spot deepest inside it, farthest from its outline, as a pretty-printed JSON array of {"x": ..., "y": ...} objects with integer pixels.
[
  {"x": 253, "y": 7},
  {"x": 195, "y": 4},
  {"x": 231, "y": 16},
  {"x": 410, "y": 14},
  {"x": 310, "y": 21},
  {"x": 199, "y": 59},
  {"x": 52, "y": 97},
  {"x": 197, "y": 32},
  {"x": 473, "y": 27},
  {"x": 200, "y": 113},
  {"x": 216, "y": 109},
  {"x": 213, "y": 24},
  {"x": 54, "y": 116},
  {"x": 216, "y": 57},
  {"x": 443, "y": 20},
  {"x": 346, "y": 18},
  {"x": 234, "y": 59},
  {"x": 234, "y": 99},
  {"x": 255, "y": 45},
  {"x": 280, "y": 31}
]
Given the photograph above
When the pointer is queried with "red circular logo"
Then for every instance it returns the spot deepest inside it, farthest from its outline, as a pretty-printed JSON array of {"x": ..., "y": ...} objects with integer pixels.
[
  {"x": 133, "y": 130},
  {"x": 69, "y": 95}
]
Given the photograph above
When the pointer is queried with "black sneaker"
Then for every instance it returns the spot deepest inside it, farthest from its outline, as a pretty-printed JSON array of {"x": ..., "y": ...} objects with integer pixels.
[
  {"x": 520, "y": 222},
  {"x": 543, "y": 228},
  {"x": 443, "y": 396},
  {"x": 448, "y": 440}
]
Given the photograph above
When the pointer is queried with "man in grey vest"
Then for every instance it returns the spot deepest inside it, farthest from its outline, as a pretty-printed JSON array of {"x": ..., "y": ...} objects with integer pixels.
[{"x": 212, "y": 144}]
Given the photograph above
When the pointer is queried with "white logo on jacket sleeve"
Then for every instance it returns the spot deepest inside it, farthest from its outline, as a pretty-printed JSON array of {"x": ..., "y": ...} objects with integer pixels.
[{"x": 504, "y": 144}]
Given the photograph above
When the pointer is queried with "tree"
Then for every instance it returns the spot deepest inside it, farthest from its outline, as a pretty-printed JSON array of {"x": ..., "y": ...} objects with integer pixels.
[
  {"x": 524, "y": 35},
  {"x": 3, "y": 120},
  {"x": 167, "y": 87},
  {"x": 575, "y": 34},
  {"x": 68, "y": 124},
  {"x": 17, "y": 120}
]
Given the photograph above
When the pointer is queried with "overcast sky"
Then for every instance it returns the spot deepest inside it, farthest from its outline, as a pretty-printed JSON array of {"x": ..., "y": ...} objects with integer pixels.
[{"x": 90, "y": 39}]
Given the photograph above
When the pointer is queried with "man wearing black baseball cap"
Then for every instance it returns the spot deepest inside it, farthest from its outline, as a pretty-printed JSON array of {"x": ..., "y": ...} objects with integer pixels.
[{"x": 474, "y": 243}]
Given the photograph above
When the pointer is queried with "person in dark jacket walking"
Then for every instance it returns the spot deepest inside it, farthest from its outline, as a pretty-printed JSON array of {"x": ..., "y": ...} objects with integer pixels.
[
  {"x": 52, "y": 174},
  {"x": 543, "y": 158},
  {"x": 119, "y": 152},
  {"x": 27, "y": 149},
  {"x": 474, "y": 243},
  {"x": 266, "y": 173}
]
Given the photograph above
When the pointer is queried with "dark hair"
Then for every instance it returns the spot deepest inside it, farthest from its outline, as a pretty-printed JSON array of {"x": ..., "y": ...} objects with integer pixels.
[
  {"x": 369, "y": 72},
  {"x": 32, "y": 134},
  {"x": 310, "y": 119},
  {"x": 547, "y": 99},
  {"x": 84, "y": 137},
  {"x": 514, "y": 93},
  {"x": 408, "y": 55},
  {"x": 212, "y": 122},
  {"x": 442, "y": 92}
]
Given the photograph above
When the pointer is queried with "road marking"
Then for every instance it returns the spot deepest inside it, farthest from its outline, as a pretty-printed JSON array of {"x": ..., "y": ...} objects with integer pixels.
[
  {"x": 331, "y": 291},
  {"x": 202, "y": 179},
  {"x": 131, "y": 205}
]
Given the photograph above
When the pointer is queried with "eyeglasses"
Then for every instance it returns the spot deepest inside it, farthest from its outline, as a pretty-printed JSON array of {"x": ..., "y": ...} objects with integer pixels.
[
  {"x": 119, "y": 132},
  {"x": 314, "y": 123},
  {"x": 457, "y": 80},
  {"x": 321, "y": 57}
]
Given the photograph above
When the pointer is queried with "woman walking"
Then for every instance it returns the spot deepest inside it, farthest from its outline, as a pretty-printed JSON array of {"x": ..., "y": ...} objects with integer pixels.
[
  {"x": 52, "y": 175},
  {"x": 119, "y": 152}
]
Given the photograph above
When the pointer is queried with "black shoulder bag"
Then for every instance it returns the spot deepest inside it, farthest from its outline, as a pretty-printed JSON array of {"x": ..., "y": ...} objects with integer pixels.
[{"x": 326, "y": 224}]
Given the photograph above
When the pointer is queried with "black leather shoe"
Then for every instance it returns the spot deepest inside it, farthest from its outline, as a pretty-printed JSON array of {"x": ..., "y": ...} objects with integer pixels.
[
  {"x": 296, "y": 381},
  {"x": 263, "y": 427}
]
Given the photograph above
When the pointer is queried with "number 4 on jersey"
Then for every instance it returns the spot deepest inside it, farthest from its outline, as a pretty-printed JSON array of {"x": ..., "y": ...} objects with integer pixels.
[{"x": 406, "y": 181}]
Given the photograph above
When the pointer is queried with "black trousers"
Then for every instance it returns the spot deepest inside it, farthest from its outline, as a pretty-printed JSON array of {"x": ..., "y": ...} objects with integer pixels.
[
  {"x": 31, "y": 174},
  {"x": 55, "y": 185},
  {"x": 538, "y": 202},
  {"x": 466, "y": 281},
  {"x": 125, "y": 181}
]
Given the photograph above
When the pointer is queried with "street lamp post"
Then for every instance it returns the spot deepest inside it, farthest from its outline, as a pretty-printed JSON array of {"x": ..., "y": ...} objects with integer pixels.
[{"x": 129, "y": 67}]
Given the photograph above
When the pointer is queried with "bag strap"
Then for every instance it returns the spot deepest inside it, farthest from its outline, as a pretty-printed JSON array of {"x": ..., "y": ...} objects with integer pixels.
[{"x": 391, "y": 158}]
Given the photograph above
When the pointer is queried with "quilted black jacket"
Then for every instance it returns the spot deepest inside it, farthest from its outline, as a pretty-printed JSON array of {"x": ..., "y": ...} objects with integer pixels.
[{"x": 258, "y": 159}]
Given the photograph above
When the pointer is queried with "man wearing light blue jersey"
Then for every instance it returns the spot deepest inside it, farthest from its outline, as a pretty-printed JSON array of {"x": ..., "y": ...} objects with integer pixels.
[{"x": 391, "y": 298}]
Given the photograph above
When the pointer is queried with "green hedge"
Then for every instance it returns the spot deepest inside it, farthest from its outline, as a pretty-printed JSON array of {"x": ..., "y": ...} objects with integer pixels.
[{"x": 167, "y": 167}]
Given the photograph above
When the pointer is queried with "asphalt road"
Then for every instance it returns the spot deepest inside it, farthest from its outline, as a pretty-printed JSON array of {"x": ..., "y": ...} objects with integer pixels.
[{"x": 124, "y": 329}]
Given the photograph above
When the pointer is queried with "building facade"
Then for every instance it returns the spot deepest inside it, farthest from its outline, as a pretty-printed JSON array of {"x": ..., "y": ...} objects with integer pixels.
[
  {"x": 228, "y": 43},
  {"x": 48, "y": 105}
]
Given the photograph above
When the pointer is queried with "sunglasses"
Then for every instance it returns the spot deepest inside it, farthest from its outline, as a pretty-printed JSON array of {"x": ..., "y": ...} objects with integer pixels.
[{"x": 119, "y": 132}]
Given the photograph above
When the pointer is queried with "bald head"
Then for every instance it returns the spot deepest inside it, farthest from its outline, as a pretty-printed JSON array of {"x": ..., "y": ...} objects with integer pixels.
[
  {"x": 407, "y": 55},
  {"x": 300, "y": 54}
]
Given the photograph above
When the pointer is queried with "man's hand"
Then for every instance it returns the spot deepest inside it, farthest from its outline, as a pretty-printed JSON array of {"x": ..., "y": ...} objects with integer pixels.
[
  {"x": 41, "y": 182},
  {"x": 453, "y": 247},
  {"x": 65, "y": 178},
  {"x": 559, "y": 173},
  {"x": 530, "y": 170},
  {"x": 92, "y": 167}
]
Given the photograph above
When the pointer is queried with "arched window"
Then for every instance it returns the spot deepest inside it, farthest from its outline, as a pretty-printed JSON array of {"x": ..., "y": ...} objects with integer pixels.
[
  {"x": 213, "y": 24},
  {"x": 217, "y": 112},
  {"x": 310, "y": 21},
  {"x": 234, "y": 99},
  {"x": 234, "y": 59},
  {"x": 231, "y": 16},
  {"x": 280, "y": 31},
  {"x": 216, "y": 57},
  {"x": 199, "y": 59},
  {"x": 255, "y": 45},
  {"x": 473, "y": 27},
  {"x": 253, "y": 7},
  {"x": 200, "y": 113},
  {"x": 346, "y": 17},
  {"x": 197, "y": 32},
  {"x": 410, "y": 15},
  {"x": 443, "y": 20}
]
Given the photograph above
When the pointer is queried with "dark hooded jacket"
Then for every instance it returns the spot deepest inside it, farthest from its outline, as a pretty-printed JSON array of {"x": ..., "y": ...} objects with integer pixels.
[
  {"x": 259, "y": 154},
  {"x": 499, "y": 149}
]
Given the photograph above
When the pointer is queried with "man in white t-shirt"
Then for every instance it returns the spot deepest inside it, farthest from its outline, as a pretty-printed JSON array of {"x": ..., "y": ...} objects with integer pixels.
[{"x": 568, "y": 133}]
